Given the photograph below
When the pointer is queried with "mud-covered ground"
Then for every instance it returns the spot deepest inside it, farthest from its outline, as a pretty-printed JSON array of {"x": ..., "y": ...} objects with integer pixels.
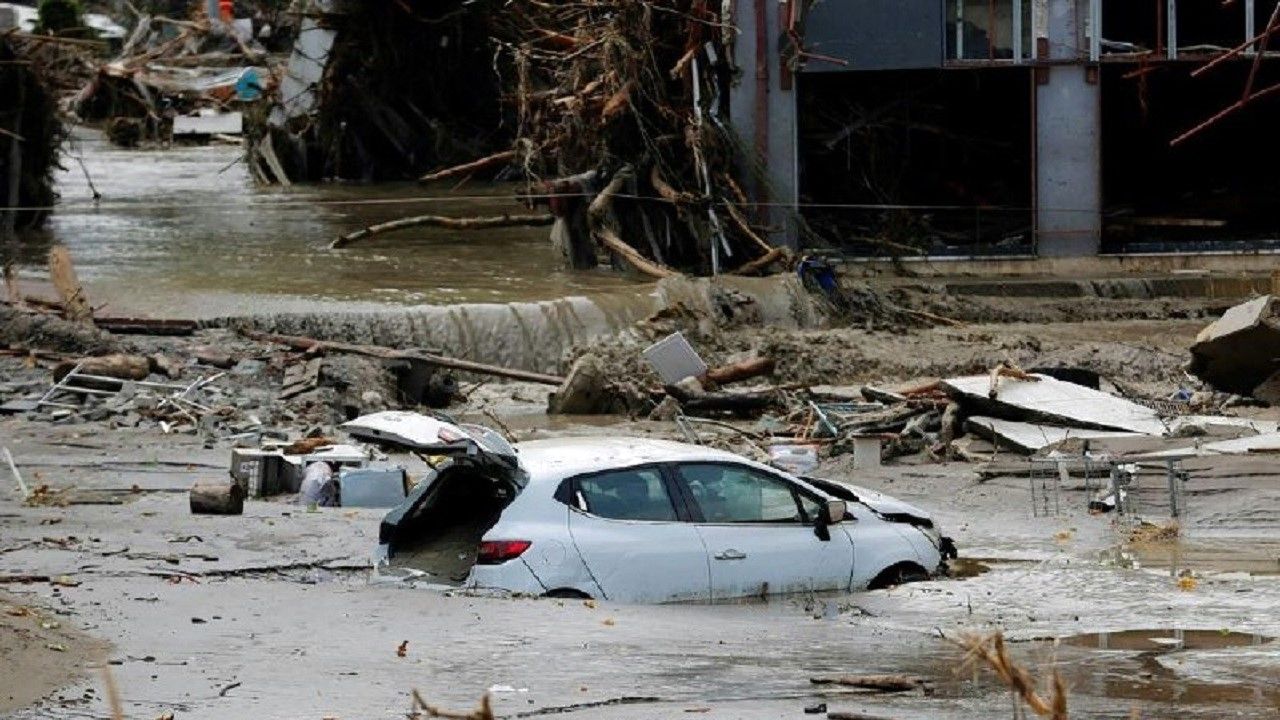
[{"x": 274, "y": 615}]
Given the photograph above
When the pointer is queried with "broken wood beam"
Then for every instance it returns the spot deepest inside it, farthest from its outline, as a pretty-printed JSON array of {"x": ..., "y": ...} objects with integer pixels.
[
  {"x": 597, "y": 218},
  {"x": 442, "y": 221},
  {"x": 312, "y": 345},
  {"x": 467, "y": 168},
  {"x": 118, "y": 366},
  {"x": 743, "y": 370},
  {"x": 878, "y": 683}
]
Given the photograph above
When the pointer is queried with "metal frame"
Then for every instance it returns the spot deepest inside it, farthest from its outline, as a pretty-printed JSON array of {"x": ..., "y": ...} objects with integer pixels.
[{"x": 1171, "y": 29}]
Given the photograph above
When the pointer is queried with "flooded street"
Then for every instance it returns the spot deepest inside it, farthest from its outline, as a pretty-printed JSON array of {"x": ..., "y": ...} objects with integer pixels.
[
  {"x": 185, "y": 233},
  {"x": 273, "y": 615}
]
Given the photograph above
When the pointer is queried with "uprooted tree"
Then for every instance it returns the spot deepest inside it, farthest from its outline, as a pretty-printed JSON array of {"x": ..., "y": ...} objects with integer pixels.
[{"x": 614, "y": 112}]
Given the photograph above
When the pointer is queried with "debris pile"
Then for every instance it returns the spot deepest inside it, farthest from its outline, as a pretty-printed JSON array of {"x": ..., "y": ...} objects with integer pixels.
[
  {"x": 612, "y": 111},
  {"x": 175, "y": 77}
]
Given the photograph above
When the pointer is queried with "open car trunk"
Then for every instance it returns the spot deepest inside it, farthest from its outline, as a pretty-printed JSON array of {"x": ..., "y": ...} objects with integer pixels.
[{"x": 437, "y": 529}]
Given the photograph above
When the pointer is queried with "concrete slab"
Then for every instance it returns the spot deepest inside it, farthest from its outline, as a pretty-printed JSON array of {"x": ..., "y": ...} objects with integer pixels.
[{"x": 1056, "y": 402}]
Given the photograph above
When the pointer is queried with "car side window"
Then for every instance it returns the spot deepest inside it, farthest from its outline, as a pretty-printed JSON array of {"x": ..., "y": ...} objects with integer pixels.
[
  {"x": 638, "y": 494},
  {"x": 739, "y": 494}
]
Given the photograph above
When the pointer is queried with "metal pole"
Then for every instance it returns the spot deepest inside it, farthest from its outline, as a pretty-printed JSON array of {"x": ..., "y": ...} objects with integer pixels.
[
  {"x": 1174, "y": 510},
  {"x": 1095, "y": 30},
  {"x": 1250, "y": 23},
  {"x": 1017, "y": 31},
  {"x": 960, "y": 29},
  {"x": 1171, "y": 30}
]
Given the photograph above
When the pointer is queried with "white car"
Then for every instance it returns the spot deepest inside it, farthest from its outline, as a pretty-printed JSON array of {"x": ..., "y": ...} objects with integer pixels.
[{"x": 637, "y": 520}]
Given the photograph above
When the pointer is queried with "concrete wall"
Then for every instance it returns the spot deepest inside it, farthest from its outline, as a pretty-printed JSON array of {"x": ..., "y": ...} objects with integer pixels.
[
  {"x": 777, "y": 163},
  {"x": 1068, "y": 154}
]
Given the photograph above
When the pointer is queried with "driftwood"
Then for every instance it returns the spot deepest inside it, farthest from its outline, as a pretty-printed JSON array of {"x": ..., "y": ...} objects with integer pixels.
[
  {"x": 737, "y": 403},
  {"x": 220, "y": 497},
  {"x": 598, "y": 219},
  {"x": 1009, "y": 370},
  {"x": 488, "y": 161},
  {"x": 761, "y": 263},
  {"x": 123, "y": 367},
  {"x": 878, "y": 683},
  {"x": 75, "y": 305},
  {"x": 441, "y": 221},
  {"x": 312, "y": 345},
  {"x": 745, "y": 370}
]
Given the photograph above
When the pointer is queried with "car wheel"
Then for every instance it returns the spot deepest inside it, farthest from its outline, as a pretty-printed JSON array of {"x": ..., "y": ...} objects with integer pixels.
[{"x": 899, "y": 574}]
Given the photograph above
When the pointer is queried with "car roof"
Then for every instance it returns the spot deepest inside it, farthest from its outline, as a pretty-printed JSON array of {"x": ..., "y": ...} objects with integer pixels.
[{"x": 558, "y": 458}]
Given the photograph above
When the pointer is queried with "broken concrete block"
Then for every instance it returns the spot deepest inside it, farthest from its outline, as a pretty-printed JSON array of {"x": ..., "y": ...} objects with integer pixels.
[{"x": 1239, "y": 351}]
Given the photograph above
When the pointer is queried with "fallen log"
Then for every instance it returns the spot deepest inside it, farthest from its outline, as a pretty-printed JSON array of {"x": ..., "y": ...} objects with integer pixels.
[
  {"x": 467, "y": 168},
  {"x": 879, "y": 683},
  {"x": 221, "y": 497},
  {"x": 441, "y": 221},
  {"x": 744, "y": 370},
  {"x": 312, "y": 345},
  {"x": 597, "y": 219},
  {"x": 735, "y": 403},
  {"x": 122, "y": 367}
]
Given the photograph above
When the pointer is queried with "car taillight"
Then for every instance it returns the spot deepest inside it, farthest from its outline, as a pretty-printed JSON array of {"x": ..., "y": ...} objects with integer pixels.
[{"x": 494, "y": 552}]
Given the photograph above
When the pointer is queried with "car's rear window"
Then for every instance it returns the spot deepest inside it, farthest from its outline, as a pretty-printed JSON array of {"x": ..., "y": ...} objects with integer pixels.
[{"x": 638, "y": 494}]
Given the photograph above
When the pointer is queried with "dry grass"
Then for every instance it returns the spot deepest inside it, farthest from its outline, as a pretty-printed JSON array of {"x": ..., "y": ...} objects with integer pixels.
[
  {"x": 1150, "y": 533},
  {"x": 990, "y": 650},
  {"x": 421, "y": 709}
]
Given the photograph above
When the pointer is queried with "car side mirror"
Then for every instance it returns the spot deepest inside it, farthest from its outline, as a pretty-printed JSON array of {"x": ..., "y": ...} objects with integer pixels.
[{"x": 832, "y": 513}]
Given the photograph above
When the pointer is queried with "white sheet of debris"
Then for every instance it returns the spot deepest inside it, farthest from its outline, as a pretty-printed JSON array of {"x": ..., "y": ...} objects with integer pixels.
[
  {"x": 1031, "y": 437},
  {"x": 1060, "y": 402}
]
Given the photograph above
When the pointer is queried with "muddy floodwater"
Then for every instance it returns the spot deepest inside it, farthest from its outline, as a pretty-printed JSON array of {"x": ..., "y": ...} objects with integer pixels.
[{"x": 185, "y": 232}]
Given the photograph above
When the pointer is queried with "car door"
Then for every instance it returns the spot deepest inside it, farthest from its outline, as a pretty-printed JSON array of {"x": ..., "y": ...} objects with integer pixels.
[
  {"x": 759, "y": 532},
  {"x": 632, "y": 538}
]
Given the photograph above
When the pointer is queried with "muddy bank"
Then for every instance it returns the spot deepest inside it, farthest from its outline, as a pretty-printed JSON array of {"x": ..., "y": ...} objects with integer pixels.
[
  {"x": 537, "y": 335},
  {"x": 42, "y": 651}
]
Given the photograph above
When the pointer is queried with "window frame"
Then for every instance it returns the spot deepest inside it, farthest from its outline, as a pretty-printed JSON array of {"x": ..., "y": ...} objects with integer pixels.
[
  {"x": 567, "y": 492},
  {"x": 797, "y": 491}
]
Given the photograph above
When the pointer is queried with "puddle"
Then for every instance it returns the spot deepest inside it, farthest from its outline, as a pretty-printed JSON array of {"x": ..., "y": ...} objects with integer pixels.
[
  {"x": 1165, "y": 640},
  {"x": 1222, "y": 672}
]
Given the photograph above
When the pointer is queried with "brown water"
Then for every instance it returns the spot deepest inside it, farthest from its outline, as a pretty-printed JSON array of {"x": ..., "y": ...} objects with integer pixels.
[{"x": 185, "y": 232}]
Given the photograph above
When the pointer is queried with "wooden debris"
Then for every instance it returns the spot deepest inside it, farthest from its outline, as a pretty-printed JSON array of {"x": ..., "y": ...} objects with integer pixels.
[
  {"x": 451, "y": 223},
  {"x": 878, "y": 683},
  {"x": 484, "y": 163},
  {"x": 744, "y": 370},
  {"x": 119, "y": 366},
  {"x": 1009, "y": 370},
  {"x": 217, "y": 497},
  {"x": 75, "y": 305},
  {"x": 313, "y": 345},
  {"x": 300, "y": 378}
]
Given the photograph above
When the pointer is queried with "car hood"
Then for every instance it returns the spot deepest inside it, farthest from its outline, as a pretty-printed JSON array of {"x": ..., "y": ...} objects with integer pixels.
[{"x": 887, "y": 506}]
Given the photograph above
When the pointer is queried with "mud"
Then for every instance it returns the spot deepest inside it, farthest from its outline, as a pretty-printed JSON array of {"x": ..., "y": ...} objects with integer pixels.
[{"x": 40, "y": 653}]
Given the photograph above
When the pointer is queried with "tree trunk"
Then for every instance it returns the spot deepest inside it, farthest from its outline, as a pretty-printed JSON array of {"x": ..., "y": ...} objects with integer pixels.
[{"x": 218, "y": 497}]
